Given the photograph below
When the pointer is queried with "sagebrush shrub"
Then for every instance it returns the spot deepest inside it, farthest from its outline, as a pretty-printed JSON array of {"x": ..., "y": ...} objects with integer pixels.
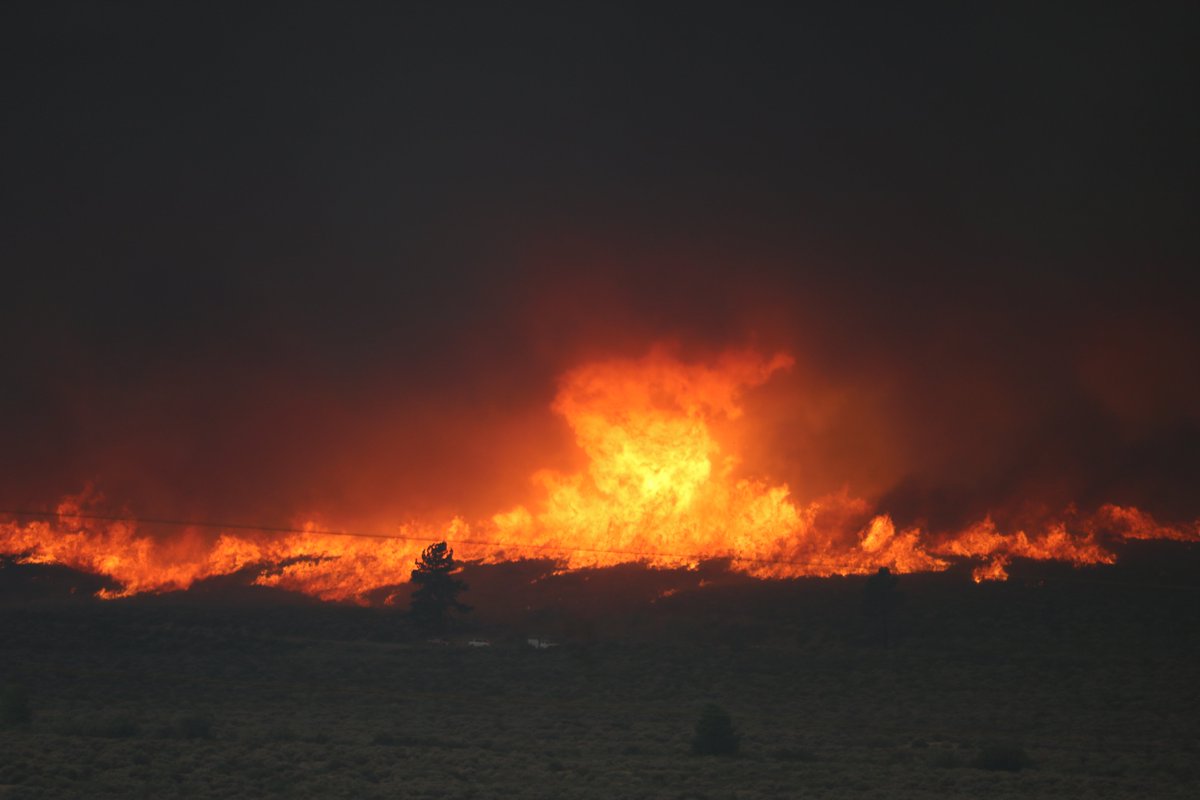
[
  {"x": 193, "y": 727},
  {"x": 714, "y": 733},
  {"x": 14, "y": 706},
  {"x": 1007, "y": 758}
]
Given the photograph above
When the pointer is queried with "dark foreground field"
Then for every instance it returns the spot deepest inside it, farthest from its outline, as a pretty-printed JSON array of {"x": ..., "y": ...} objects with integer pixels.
[{"x": 1089, "y": 675}]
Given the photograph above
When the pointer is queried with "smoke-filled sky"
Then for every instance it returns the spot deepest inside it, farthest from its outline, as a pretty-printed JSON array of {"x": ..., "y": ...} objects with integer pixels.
[{"x": 264, "y": 260}]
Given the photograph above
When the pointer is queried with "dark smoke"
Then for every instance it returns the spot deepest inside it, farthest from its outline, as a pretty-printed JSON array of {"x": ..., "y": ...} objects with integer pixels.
[{"x": 304, "y": 260}]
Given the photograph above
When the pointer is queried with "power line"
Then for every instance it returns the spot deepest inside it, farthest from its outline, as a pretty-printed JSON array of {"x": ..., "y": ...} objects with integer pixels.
[
  {"x": 183, "y": 523},
  {"x": 400, "y": 537}
]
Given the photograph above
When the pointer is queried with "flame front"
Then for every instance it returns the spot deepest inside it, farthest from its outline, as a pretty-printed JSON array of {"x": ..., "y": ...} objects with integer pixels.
[
  {"x": 658, "y": 488},
  {"x": 658, "y": 485}
]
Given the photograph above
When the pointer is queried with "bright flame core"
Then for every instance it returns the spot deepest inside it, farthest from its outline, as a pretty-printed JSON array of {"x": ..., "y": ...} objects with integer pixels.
[{"x": 658, "y": 488}]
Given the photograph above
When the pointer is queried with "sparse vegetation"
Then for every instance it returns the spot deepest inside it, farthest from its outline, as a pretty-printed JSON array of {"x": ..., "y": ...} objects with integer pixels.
[{"x": 146, "y": 698}]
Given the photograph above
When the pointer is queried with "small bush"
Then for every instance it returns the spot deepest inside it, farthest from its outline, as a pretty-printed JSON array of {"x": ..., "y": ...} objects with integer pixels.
[
  {"x": 715, "y": 735},
  {"x": 793, "y": 754},
  {"x": 14, "y": 706},
  {"x": 14, "y": 772},
  {"x": 110, "y": 726},
  {"x": 1000, "y": 757},
  {"x": 944, "y": 759},
  {"x": 192, "y": 727}
]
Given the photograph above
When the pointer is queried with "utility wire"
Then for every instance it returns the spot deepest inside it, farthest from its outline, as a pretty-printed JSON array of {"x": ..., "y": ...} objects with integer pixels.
[{"x": 399, "y": 537}]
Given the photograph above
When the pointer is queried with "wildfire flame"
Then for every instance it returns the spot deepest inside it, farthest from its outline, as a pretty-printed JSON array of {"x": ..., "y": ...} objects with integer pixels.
[{"x": 659, "y": 488}]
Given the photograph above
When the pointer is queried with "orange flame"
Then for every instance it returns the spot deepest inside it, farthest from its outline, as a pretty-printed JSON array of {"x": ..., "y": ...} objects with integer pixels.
[{"x": 658, "y": 488}]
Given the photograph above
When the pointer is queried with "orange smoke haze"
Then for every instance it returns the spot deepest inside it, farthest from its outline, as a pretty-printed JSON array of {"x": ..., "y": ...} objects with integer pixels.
[{"x": 662, "y": 483}]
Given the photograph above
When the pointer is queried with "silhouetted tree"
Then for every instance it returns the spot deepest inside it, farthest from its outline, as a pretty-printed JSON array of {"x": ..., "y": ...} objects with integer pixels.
[
  {"x": 715, "y": 735},
  {"x": 437, "y": 589},
  {"x": 880, "y": 599}
]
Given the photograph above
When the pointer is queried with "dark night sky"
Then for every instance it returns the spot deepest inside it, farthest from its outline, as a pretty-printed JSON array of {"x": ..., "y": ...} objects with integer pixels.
[{"x": 331, "y": 256}]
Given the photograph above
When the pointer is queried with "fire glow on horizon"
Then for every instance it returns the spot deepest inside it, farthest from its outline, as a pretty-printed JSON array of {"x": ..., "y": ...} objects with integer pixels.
[{"x": 658, "y": 488}]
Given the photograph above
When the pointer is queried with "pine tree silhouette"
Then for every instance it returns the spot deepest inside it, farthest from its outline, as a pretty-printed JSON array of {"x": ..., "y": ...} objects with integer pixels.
[{"x": 437, "y": 589}]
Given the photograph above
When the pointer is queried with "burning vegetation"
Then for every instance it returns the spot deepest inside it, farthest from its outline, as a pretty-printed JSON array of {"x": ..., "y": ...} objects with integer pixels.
[{"x": 660, "y": 487}]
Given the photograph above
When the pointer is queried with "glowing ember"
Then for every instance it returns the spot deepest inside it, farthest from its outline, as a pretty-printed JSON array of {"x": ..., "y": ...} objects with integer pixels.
[{"x": 659, "y": 488}]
